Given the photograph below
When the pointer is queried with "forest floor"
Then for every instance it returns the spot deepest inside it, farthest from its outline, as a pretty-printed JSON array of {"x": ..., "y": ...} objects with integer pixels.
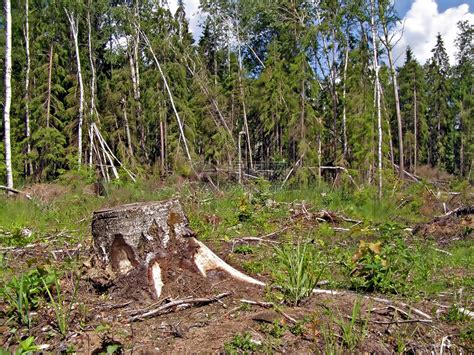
[{"x": 401, "y": 278}]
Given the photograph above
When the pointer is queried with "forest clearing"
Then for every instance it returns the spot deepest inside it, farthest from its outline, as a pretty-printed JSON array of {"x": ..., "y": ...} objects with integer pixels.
[
  {"x": 236, "y": 176},
  {"x": 391, "y": 276}
]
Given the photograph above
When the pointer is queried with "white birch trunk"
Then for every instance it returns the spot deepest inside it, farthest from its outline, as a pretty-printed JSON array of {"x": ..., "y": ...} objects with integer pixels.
[
  {"x": 93, "y": 80},
  {"x": 244, "y": 108},
  {"x": 388, "y": 47},
  {"x": 74, "y": 30},
  {"x": 29, "y": 167},
  {"x": 8, "y": 92},
  {"x": 136, "y": 72},
  {"x": 377, "y": 95},
  {"x": 127, "y": 128}
]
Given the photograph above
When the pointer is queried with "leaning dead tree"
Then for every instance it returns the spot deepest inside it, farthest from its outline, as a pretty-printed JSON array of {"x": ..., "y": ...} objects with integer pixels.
[
  {"x": 147, "y": 250},
  {"x": 74, "y": 24},
  {"x": 170, "y": 95}
]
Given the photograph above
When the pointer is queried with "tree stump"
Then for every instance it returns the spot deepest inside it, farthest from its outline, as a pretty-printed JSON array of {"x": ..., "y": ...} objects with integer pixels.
[{"x": 148, "y": 249}]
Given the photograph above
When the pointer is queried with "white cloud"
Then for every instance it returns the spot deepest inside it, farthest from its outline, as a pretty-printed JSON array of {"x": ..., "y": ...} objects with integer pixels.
[
  {"x": 421, "y": 25},
  {"x": 193, "y": 14}
]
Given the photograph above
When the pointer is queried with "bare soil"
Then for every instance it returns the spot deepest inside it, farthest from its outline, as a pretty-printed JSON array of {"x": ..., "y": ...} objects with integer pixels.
[{"x": 100, "y": 319}]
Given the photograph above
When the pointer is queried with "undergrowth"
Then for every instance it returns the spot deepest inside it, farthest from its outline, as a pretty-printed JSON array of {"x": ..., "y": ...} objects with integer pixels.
[{"x": 376, "y": 255}]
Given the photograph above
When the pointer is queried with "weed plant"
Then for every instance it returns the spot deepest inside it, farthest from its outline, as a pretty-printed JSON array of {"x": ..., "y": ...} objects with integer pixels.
[
  {"x": 301, "y": 271},
  {"x": 240, "y": 344},
  {"x": 24, "y": 293},
  {"x": 351, "y": 333},
  {"x": 62, "y": 308}
]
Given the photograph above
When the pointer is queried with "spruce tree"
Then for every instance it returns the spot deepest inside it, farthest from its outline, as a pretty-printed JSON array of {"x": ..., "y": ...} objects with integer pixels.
[
  {"x": 440, "y": 122},
  {"x": 464, "y": 98},
  {"x": 413, "y": 108}
]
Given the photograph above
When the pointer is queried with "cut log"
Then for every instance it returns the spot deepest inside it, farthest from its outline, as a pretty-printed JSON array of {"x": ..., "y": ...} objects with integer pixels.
[
  {"x": 15, "y": 191},
  {"x": 148, "y": 248}
]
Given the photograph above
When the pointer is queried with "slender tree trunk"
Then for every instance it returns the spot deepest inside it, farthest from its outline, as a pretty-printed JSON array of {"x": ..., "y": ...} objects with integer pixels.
[
  {"x": 415, "y": 128},
  {"x": 320, "y": 146},
  {"x": 344, "y": 118},
  {"x": 50, "y": 78},
  {"x": 28, "y": 165},
  {"x": 74, "y": 30},
  {"x": 135, "y": 72},
  {"x": 127, "y": 128},
  {"x": 8, "y": 92},
  {"x": 244, "y": 109},
  {"x": 388, "y": 47},
  {"x": 93, "y": 81},
  {"x": 378, "y": 108},
  {"x": 302, "y": 115},
  {"x": 162, "y": 146}
]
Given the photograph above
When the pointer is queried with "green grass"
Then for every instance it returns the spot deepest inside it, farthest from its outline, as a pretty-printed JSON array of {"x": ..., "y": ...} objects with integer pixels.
[{"x": 417, "y": 270}]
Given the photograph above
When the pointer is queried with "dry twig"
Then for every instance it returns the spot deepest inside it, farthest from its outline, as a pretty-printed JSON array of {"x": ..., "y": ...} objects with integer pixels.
[{"x": 168, "y": 307}]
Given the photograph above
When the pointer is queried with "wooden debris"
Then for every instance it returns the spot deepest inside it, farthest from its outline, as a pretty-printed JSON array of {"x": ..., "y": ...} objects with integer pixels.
[
  {"x": 181, "y": 303},
  {"x": 15, "y": 191}
]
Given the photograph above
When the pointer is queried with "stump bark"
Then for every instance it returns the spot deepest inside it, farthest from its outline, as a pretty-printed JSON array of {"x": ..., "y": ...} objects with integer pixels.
[{"x": 148, "y": 249}]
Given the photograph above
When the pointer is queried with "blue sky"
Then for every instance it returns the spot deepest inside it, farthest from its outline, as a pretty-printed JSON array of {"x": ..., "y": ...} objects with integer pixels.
[
  {"x": 422, "y": 20},
  {"x": 403, "y": 6}
]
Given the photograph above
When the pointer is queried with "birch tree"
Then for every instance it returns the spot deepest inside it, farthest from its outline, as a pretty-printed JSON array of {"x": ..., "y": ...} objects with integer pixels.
[
  {"x": 387, "y": 17},
  {"x": 377, "y": 96},
  {"x": 26, "y": 30},
  {"x": 8, "y": 92},
  {"x": 74, "y": 25}
]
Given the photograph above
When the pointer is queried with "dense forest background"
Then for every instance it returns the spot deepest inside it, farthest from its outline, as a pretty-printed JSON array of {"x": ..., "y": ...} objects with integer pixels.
[{"x": 120, "y": 88}]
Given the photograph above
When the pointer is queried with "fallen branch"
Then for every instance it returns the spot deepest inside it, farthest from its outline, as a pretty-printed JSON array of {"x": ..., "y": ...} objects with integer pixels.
[
  {"x": 339, "y": 229},
  {"x": 258, "y": 303},
  {"x": 443, "y": 251},
  {"x": 15, "y": 191},
  {"x": 460, "y": 211},
  {"x": 291, "y": 170},
  {"x": 253, "y": 239},
  {"x": 377, "y": 299},
  {"x": 398, "y": 310},
  {"x": 411, "y": 176},
  {"x": 185, "y": 303},
  {"x": 399, "y": 321}
]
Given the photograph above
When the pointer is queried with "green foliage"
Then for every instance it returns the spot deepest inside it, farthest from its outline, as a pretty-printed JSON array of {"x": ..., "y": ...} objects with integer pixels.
[
  {"x": 240, "y": 343},
  {"x": 301, "y": 270},
  {"x": 454, "y": 314},
  {"x": 351, "y": 331},
  {"x": 27, "y": 346},
  {"x": 380, "y": 267},
  {"x": 244, "y": 209},
  {"x": 243, "y": 249},
  {"x": 25, "y": 292},
  {"x": 62, "y": 307},
  {"x": 276, "y": 329}
]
